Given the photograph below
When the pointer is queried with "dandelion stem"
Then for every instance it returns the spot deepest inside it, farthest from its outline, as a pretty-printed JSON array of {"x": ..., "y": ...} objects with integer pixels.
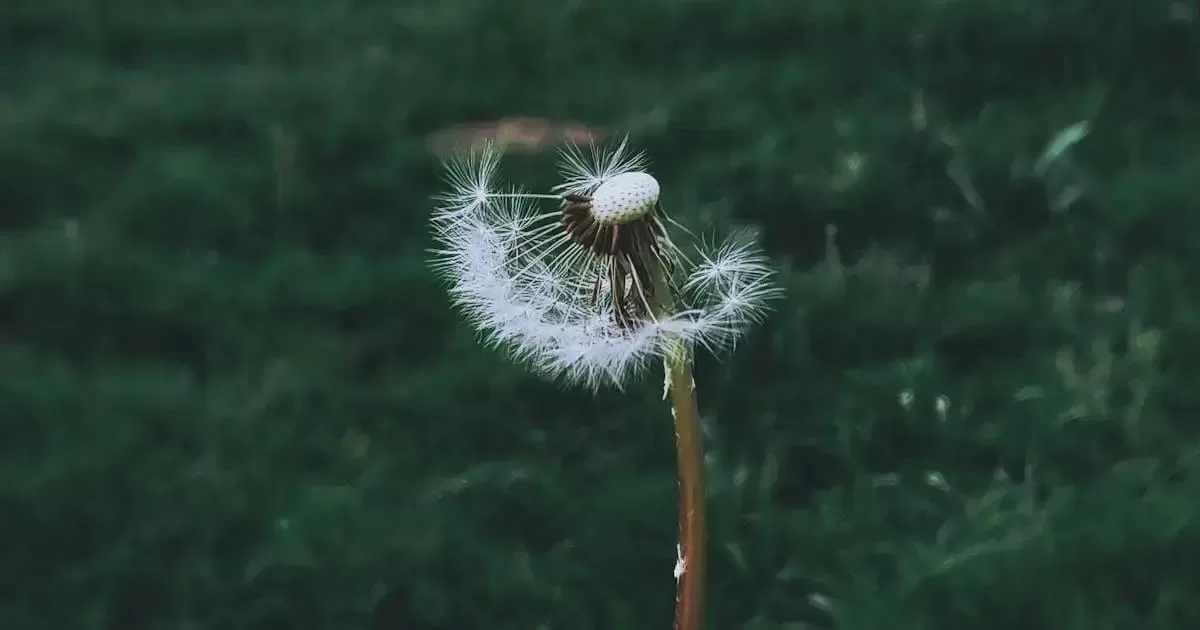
[{"x": 690, "y": 576}]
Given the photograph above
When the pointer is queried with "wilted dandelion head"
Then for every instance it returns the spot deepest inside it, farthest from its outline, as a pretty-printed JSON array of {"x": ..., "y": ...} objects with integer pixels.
[{"x": 589, "y": 283}]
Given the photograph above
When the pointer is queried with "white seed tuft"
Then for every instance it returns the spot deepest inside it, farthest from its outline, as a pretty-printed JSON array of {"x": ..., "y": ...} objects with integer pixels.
[{"x": 518, "y": 277}]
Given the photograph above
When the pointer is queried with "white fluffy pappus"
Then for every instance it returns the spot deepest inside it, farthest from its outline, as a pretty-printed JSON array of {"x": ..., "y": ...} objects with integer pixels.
[{"x": 587, "y": 284}]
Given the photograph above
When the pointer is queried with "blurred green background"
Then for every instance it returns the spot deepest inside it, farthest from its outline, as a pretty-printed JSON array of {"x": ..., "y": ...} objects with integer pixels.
[{"x": 233, "y": 397}]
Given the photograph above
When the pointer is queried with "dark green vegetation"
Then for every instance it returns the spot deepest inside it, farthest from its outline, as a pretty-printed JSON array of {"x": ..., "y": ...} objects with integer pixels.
[{"x": 231, "y": 396}]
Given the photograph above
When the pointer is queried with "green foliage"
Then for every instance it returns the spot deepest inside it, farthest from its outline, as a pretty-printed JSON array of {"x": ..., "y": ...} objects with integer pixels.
[{"x": 233, "y": 397}]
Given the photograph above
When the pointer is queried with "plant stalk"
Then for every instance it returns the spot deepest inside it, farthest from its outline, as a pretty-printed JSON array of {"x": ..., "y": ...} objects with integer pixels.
[{"x": 690, "y": 570}]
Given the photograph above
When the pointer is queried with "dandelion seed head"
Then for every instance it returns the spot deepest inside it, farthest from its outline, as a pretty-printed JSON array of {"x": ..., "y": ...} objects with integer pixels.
[
  {"x": 588, "y": 285},
  {"x": 625, "y": 197}
]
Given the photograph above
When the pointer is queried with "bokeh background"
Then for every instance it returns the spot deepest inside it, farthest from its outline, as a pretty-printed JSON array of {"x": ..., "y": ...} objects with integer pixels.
[{"x": 233, "y": 397}]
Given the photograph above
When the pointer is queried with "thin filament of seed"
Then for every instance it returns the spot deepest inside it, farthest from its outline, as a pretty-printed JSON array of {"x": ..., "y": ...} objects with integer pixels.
[
  {"x": 551, "y": 252},
  {"x": 641, "y": 294},
  {"x": 534, "y": 239},
  {"x": 522, "y": 196},
  {"x": 563, "y": 254}
]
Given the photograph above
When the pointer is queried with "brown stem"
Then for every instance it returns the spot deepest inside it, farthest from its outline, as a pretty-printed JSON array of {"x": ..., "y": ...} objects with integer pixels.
[{"x": 689, "y": 593}]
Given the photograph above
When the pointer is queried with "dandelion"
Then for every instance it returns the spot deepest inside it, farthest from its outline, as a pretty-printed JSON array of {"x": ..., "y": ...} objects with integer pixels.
[{"x": 591, "y": 283}]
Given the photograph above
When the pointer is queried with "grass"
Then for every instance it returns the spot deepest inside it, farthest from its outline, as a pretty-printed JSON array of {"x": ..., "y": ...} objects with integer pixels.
[{"x": 234, "y": 397}]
